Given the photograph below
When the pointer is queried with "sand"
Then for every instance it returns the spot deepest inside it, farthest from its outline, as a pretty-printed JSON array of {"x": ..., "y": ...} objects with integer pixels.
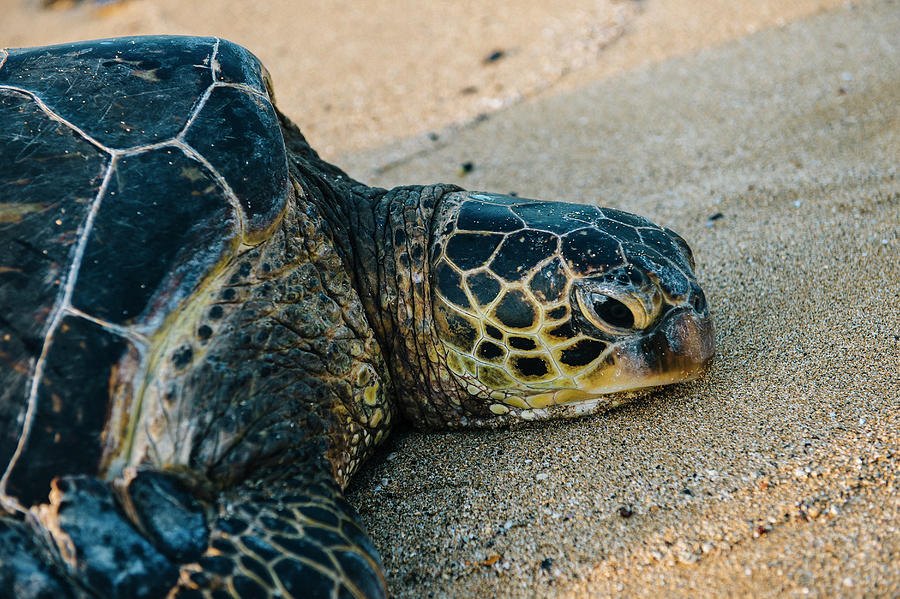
[
  {"x": 777, "y": 473},
  {"x": 362, "y": 75}
]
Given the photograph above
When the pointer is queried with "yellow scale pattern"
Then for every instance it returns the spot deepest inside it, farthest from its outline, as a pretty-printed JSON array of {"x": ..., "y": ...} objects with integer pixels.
[{"x": 514, "y": 374}]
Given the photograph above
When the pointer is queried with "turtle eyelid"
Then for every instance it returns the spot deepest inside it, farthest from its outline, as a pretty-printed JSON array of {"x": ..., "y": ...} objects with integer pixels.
[
  {"x": 609, "y": 314},
  {"x": 616, "y": 310}
]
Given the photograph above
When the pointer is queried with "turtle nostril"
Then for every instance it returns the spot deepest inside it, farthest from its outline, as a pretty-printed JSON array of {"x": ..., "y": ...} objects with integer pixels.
[{"x": 699, "y": 302}]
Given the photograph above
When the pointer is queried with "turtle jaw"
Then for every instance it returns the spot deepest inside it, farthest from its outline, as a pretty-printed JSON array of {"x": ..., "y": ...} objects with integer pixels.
[{"x": 677, "y": 350}]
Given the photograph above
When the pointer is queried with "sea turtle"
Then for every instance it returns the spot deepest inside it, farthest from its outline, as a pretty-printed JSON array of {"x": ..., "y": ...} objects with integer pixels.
[{"x": 205, "y": 328}]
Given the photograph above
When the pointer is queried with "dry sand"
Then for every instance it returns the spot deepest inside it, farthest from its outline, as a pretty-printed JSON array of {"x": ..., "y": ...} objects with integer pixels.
[
  {"x": 777, "y": 473},
  {"x": 362, "y": 74}
]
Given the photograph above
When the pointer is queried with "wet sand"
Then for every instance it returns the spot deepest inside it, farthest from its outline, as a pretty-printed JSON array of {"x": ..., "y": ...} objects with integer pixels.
[{"x": 774, "y": 475}]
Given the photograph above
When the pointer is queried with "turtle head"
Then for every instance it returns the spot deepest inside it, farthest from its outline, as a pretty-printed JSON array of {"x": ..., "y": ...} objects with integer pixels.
[{"x": 548, "y": 308}]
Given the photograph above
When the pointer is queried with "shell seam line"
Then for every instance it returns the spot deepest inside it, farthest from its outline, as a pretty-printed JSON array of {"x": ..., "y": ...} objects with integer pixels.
[
  {"x": 179, "y": 141},
  {"x": 213, "y": 60},
  {"x": 195, "y": 111},
  {"x": 173, "y": 141},
  {"x": 215, "y": 70},
  {"x": 243, "y": 87},
  {"x": 56, "y": 117},
  {"x": 9, "y": 503},
  {"x": 229, "y": 193},
  {"x": 109, "y": 326}
]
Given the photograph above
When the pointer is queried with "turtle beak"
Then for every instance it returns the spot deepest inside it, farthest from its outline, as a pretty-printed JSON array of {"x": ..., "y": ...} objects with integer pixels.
[{"x": 678, "y": 349}]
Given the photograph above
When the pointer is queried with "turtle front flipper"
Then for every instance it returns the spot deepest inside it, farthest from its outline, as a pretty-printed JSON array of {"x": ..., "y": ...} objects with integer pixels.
[
  {"x": 152, "y": 538},
  {"x": 113, "y": 540},
  {"x": 27, "y": 569},
  {"x": 92, "y": 541},
  {"x": 296, "y": 538}
]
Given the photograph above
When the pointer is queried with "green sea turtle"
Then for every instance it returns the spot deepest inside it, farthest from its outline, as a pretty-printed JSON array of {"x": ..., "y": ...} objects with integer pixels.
[{"x": 205, "y": 328}]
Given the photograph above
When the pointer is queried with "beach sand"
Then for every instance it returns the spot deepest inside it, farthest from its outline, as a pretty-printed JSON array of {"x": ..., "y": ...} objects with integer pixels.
[
  {"x": 362, "y": 75},
  {"x": 774, "y": 475}
]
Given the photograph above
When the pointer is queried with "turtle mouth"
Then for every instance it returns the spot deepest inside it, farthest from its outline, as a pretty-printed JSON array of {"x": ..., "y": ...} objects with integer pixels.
[{"x": 678, "y": 349}]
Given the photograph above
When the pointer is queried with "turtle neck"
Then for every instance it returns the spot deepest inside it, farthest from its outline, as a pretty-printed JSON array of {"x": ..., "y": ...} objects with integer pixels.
[{"x": 383, "y": 238}]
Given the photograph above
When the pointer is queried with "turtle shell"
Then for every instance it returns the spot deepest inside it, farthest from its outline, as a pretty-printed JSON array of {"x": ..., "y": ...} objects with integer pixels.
[{"x": 130, "y": 169}]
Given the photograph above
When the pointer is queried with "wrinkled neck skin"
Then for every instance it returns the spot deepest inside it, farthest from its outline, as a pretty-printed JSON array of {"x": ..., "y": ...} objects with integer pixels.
[{"x": 383, "y": 237}]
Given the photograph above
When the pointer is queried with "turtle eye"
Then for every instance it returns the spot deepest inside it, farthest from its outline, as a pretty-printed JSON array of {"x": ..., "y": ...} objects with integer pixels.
[{"x": 612, "y": 311}]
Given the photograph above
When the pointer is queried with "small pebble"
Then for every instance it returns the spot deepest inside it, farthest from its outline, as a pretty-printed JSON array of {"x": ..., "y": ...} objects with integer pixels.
[
  {"x": 494, "y": 56},
  {"x": 490, "y": 561},
  {"x": 713, "y": 218}
]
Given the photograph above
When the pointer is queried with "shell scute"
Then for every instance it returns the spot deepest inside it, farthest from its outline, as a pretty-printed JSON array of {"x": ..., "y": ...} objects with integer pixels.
[
  {"x": 238, "y": 133},
  {"x": 626, "y": 218},
  {"x": 162, "y": 218},
  {"x": 236, "y": 64},
  {"x": 71, "y": 406},
  {"x": 39, "y": 211},
  {"x": 39, "y": 214},
  {"x": 478, "y": 216},
  {"x": 121, "y": 93}
]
